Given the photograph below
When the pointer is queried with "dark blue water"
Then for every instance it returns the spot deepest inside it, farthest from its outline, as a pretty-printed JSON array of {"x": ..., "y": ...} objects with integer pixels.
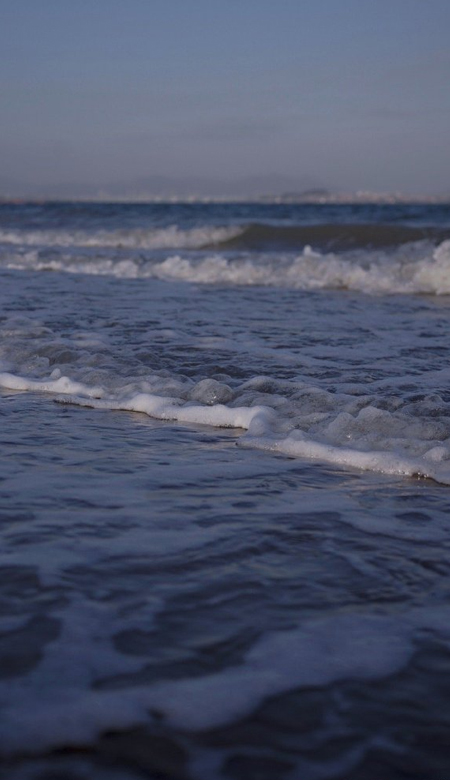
[{"x": 180, "y": 599}]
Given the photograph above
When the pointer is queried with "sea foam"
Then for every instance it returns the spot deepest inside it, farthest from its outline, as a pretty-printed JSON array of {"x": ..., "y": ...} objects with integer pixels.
[
  {"x": 417, "y": 268},
  {"x": 153, "y": 238},
  {"x": 268, "y": 429},
  {"x": 321, "y": 651}
]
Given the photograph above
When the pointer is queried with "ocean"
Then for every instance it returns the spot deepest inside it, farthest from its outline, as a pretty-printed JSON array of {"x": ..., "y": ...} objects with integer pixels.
[{"x": 224, "y": 491}]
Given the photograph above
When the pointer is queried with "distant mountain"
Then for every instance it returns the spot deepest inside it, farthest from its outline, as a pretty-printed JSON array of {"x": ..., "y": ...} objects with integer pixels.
[{"x": 157, "y": 186}]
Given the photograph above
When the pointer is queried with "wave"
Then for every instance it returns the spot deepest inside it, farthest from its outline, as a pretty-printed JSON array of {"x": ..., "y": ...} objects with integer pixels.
[
  {"x": 420, "y": 268},
  {"x": 171, "y": 237},
  {"x": 340, "y": 237},
  {"x": 388, "y": 442},
  {"x": 416, "y": 269},
  {"x": 251, "y": 237}
]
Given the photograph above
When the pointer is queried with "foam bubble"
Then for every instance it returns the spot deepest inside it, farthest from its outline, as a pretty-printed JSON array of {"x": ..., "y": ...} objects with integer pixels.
[
  {"x": 210, "y": 391},
  {"x": 60, "y": 384}
]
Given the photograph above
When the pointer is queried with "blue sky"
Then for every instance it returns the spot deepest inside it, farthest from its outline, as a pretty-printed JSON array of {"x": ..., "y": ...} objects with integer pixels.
[{"x": 351, "y": 94}]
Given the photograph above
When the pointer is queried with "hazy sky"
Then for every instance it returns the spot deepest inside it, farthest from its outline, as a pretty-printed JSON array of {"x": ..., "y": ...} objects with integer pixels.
[{"x": 345, "y": 93}]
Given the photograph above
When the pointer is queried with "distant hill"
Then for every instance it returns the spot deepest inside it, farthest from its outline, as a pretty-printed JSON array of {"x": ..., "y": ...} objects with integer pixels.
[
  {"x": 156, "y": 186},
  {"x": 265, "y": 187}
]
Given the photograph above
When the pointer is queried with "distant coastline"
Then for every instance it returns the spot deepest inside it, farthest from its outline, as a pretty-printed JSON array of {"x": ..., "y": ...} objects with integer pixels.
[
  {"x": 308, "y": 197},
  {"x": 264, "y": 188}
]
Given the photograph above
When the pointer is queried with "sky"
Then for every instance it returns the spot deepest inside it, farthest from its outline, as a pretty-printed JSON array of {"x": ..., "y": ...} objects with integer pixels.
[{"x": 343, "y": 94}]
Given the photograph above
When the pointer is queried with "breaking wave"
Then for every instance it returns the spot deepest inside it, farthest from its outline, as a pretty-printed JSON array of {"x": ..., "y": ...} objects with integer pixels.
[
  {"x": 138, "y": 238},
  {"x": 315, "y": 424},
  {"x": 250, "y": 237},
  {"x": 419, "y": 268}
]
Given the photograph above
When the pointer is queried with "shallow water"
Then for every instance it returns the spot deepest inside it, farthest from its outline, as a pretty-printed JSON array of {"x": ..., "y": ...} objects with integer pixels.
[{"x": 181, "y": 599}]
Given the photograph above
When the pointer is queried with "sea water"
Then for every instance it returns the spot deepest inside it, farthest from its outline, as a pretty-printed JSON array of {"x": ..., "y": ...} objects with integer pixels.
[{"x": 224, "y": 491}]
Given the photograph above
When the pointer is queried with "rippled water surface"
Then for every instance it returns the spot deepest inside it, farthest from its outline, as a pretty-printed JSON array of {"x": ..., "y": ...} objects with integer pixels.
[{"x": 224, "y": 502}]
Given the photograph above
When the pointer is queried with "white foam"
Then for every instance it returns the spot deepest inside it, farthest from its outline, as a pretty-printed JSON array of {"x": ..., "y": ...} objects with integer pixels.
[
  {"x": 385, "y": 462},
  {"x": 254, "y": 419},
  {"x": 413, "y": 268},
  {"x": 138, "y": 238},
  {"x": 61, "y": 384},
  {"x": 346, "y": 645},
  {"x": 319, "y": 652},
  {"x": 261, "y": 421},
  {"x": 418, "y": 268},
  {"x": 381, "y": 441}
]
